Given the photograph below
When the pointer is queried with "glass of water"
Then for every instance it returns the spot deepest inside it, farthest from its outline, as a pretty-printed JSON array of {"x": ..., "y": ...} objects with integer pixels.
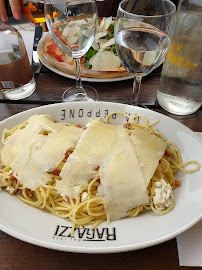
[
  {"x": 180, "y": 90},
  {"x": 142, "y": 36},
  {"x": 72, "y": 25}
]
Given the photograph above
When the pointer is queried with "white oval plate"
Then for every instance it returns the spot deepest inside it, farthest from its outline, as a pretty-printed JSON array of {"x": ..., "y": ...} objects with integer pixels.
[
  {"x": 70, "y": 76},
  {"x": 44, "y": 229}
]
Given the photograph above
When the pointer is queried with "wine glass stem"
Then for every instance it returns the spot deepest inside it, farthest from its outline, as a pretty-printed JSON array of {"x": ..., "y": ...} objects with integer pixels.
[
  {"x": 136, "y": 89},
  {"x": 79, "y": 86}
]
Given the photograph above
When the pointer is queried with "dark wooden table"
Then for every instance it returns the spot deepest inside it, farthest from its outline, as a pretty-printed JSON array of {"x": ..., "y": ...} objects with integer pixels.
[{"x": 15, "y": 254}]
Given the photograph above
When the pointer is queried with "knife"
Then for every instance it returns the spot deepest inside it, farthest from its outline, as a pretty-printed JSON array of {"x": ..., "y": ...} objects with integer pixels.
[{"x": 36, "y": 64}]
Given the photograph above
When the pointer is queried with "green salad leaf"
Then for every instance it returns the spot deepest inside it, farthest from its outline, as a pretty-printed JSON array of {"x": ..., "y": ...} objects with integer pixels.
[
  {"x": 87, "y": 64},
  {"x": 90, "y": 53},
  {"x": 111, "y": 27}
]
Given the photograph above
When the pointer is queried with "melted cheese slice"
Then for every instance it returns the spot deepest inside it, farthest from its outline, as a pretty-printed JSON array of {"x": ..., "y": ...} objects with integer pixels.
[
  {"x": 96, "y": 142},
  {"x": 33, "y": 154},
  {"x": 23, "y": 138},
  {"x": 122, "y": 183},
  {"x": 104, "y": 61},
  {"x": 149, "y": 150}
]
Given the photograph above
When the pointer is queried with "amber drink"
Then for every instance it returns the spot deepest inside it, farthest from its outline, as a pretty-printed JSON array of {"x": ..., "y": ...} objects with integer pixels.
[{"x": 16, "y": 78}]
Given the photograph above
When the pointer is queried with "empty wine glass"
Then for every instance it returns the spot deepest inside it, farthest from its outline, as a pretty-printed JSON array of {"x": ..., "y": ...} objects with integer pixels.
[
  {"x": 142, "y": 36},
  {"x": 72, "y": 25}
]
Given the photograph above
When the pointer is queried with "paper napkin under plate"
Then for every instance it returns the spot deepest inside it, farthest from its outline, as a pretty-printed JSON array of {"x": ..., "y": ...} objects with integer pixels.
[{"x": 189, "y": 243}]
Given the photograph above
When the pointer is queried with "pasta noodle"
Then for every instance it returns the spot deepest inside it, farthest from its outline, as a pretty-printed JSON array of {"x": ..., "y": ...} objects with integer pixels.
[{"x": 88, "y": 208}]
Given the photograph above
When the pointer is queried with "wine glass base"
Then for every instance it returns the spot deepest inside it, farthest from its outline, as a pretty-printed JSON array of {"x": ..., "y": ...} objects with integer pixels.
[
  {"x": 70, "y": 94},
  {"x": 138, "y": 105},
  {"x": 141, "y": 106}
]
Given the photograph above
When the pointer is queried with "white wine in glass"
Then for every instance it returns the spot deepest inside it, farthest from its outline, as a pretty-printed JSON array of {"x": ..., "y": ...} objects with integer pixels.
[
  {"x": 142, "y": 37},
  {"x": 72, "y": 25}
]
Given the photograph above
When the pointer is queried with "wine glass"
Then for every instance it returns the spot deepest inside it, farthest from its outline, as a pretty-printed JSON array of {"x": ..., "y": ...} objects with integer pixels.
[
  {"x": 142, "y": 31},
  {"x": 72, "y": 25}
]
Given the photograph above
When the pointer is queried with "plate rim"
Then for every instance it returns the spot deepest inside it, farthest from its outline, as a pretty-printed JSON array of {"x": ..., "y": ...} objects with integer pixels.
[{"x": 95, "y": 250}]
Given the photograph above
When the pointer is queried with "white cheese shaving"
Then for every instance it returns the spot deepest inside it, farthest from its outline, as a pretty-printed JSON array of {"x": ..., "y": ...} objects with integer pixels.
[
  {"x": 72, "y": 40},
  {"x": 104, "y": 25},
  {"x": 106, "y": 43},
  {"x": 146, "y": 59},
  {"x": 70, "y": 31},
  {"x": 89, "y": 30},
  {"x": 95, "y": 45},
  {"x": 95, "y": 143},
  {"x": 96, "y": 42},
  {"x": 76, "y": 22},
  {"x": 149, "y": 150},
  {"x": 105, "y": 61},
  {"x": 24, "y": 138},
  {"x": 101, "y": 44},
  {"x": 47, "y": 157},
  {"x": 30, "y": 154},
  {"x": 122, "y": 182},
  {"x": 100, "y": 35}
]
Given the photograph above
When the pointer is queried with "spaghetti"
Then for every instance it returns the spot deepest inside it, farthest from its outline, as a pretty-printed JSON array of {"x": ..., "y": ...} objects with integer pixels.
[{"x": 88, "y": 207}]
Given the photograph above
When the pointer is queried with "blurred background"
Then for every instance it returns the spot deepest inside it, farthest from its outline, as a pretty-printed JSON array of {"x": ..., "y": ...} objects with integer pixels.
[{"x": 109, "y": 7}]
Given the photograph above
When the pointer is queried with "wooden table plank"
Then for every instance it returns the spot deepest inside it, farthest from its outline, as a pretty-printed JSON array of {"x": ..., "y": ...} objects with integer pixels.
[
  {"x": 18, "y": 255},
  {"x": 50, "y": 87}
]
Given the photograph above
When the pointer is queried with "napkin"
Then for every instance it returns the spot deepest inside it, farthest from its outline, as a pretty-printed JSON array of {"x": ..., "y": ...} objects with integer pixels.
[
  {"x": 189, "y": 243},
  {"x": 28, "y": 38}
]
